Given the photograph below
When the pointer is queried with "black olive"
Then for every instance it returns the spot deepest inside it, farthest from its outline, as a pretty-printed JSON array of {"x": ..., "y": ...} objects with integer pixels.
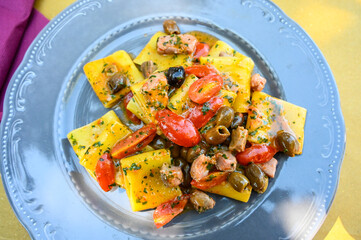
[
  {"x": 175, "y": 76},
  {"x": 117, "y": 82}
]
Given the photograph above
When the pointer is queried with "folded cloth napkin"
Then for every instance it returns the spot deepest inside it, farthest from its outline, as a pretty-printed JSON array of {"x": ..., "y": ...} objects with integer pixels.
[{"x": 19, "y": 25}]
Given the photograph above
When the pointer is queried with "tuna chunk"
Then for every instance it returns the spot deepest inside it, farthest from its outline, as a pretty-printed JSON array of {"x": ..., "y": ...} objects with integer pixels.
[
  {"x": 155, "y": 91},
  {"x": 172, "y": 176},
  {"x": 176, "y": 44},
  {"x": 200, "y": 167},
  {"x": 239, "y": 139},
  {"x": 257, "y": 82},
  {"x": 226, "y": 162},
  {"x": 201, "y": 201},
  {"x": 269, "y": 168}
]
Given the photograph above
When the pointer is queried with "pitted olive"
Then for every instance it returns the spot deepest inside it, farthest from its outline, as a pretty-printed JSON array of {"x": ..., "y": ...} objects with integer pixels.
[
  {"x": 117, "y": 82},
  {"x": 225, "y": 116},
  {"x": 240, "y": 119},
  {"x": 287, "y": 143},
  {"x": 217, "y": 135},
  {"x": 238, "y": 181},
  {"x": 257, "y": 178}
]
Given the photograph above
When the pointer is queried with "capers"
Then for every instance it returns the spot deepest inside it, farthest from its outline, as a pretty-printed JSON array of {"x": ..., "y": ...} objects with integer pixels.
[
  {"x": 159, "y": 143},
  {"x": 287, "y": 143},
  {"x": 148, "y": 68},
  {"x": 117, "y": 82},
  {"x": 238, "y": 181},
  {"x": 171, "y": 27},
  {"x": 239, "y": 120},
  {"x": 225, "y": 116},
  {"x": 257, "y": 178},
  {"x": 217, "y": 135},
  {"x": 176, "y": 76}
]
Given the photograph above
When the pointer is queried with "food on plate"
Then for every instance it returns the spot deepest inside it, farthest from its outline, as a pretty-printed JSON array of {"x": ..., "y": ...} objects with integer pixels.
[{"x": 204, "y": 125}]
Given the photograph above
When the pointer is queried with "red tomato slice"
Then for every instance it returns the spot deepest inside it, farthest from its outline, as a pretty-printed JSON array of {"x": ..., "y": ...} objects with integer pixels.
[
  {"x": 257, "y": 153},
  {"x": 105, "y": 172},
  {"x": 179, "y": 130},
  {"x": 205, "y": 88},
  {"x": 202, "y": 50},
  {"x": 201, "y": 114},
  {"x": 213, "y": 179},
  {"x": 130, "y": 115},
  {"x": 134, "y": 142},
  {"x": 165, "y": 212},
  {"x": 200, "y": 70}
]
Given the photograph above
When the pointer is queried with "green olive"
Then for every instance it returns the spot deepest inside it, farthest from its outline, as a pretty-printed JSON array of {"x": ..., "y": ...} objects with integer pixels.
[
  {"x": 240, "y": 119},
  {"x": 225, "y": 116},
  {"x": 183, "y": 152},
  {"x": 287, "y": 143},
  {"x": 195, "y": 151},
  {"x": 159, "y": 143},
  {"x": 238, "y": 181},
  {"x": 257, "y": 177},
  {"x": 117, "y": 82},
  {"x": 217, "y": 135},
  {"x": 174, "y": 150}
]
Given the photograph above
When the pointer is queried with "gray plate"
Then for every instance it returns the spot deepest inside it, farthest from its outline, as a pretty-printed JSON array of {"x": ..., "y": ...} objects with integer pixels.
[{"x": 54, "y": 197}]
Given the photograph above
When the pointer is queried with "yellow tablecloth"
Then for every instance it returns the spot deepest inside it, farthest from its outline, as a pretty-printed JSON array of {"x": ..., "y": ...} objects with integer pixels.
[{"x": 335, "y": 26}]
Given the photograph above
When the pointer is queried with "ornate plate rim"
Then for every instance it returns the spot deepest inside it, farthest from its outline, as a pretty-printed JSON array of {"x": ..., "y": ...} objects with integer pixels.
[{"x": 21, "y": 79}]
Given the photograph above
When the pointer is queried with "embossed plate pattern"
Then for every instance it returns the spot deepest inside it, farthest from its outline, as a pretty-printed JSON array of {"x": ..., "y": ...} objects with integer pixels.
[{"x": 48, "y": 96}]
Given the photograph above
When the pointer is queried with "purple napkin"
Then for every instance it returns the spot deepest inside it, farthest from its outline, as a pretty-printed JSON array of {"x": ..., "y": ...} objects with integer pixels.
[{"x": 19, "y": 25}]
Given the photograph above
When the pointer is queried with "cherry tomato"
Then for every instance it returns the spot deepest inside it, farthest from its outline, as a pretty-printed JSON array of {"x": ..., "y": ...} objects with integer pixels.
[
  {"x": 201, "y": 114},
  {"x": 257, "y": 153},
  {"x": 165, "y": 212},
  {"x": 130, "y": 115},
  {"x": 134, "y": 142},
  {"x": 213, "y": 179},
  {"x": 179, "y": 130},
  {"x": 105, "y": 172},
  {"x": 200, "y": 70},
  {"x": 205, "y": 88},
  {"x": 202, "y": 50}
]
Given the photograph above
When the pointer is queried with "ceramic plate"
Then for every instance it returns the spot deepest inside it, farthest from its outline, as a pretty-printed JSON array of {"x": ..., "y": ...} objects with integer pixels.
[{"x": 49, "y": 96}]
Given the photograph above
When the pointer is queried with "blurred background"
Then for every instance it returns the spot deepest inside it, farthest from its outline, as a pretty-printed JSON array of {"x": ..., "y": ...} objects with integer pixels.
[{"x": 335, "y": 27}]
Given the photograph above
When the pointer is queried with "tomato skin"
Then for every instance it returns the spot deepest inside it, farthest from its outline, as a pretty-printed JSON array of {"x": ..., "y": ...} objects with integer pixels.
[
  {"x": 130, "y": 115},
  {"x": 202, "y": 50},
  {"x": 200, "y": 70},
  {"x": 205, "y": 88},
  {"x": 257, "y": 153},
  {"x": 213, "y": 179},
  {"x": 199, "y": 117},
  {"x": 165, "y": 212},
  {"x": 134, "y": 142},
  {"x": 105, "y": 172},
  {"x": 179, "y": 130}
]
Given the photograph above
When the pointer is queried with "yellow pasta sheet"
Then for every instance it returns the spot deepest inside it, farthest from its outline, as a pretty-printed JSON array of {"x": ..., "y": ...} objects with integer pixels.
[
  {"x": 270, "y": 115},
  {"x": 82, "y": 138},
  {"x": 96, "y": 73},
  {"x": 142, "y": 180},
  {"x": 239, "y": 70},
  {"x": 163, "y": 61},
  {"x": 225, "y": 189}
]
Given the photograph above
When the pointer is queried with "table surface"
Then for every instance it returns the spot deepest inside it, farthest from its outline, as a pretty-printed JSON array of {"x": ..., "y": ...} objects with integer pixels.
[{"x": 335, "y": 27}]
